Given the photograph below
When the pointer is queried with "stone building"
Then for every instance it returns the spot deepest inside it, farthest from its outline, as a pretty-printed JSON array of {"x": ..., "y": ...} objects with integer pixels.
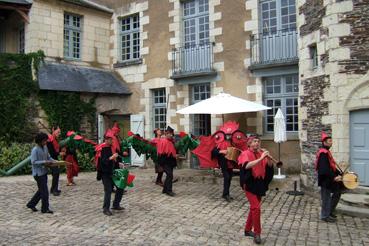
[
  {"x": 334, "y": 82},
  {"x": 172, "y": 53}
]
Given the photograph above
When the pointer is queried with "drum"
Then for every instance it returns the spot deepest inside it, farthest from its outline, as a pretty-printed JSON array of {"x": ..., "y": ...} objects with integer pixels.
[
  {"x": 350, "y": 180},
  {"x": 232, "y": 154}
]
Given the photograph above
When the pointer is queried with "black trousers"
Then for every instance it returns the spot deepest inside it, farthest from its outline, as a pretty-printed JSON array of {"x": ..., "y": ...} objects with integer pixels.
[
  {"x": 41, "y": 194},
  {"x": 227, "y": 178},
  {"x": 108, "y": 187},
  {"x": 55, "y": 172},
  {"x": 168, "y": 183}
]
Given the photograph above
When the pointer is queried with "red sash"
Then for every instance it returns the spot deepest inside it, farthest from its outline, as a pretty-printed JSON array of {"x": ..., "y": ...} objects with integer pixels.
[
  {"x": 258, "y": 171},
  {"x": 332, "y": 162}
]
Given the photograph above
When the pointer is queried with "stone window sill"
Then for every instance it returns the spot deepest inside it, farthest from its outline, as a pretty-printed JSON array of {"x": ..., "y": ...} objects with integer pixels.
[{"x": 120, "y": 64}]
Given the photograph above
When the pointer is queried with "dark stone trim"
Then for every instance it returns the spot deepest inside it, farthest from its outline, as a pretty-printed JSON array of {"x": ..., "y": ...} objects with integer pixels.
[
  {"x": 127, "y": 63},
  {"x": 274, "y": 64},
  {"x": 193, "y": 75}
]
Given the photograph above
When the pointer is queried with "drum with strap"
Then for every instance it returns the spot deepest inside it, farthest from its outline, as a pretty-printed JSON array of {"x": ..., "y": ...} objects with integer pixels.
[{"x": 350, "y": 180}]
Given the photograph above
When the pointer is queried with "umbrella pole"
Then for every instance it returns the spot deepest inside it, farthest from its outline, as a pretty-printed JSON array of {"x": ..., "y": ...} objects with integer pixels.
[{"x": 279, "y": 158}]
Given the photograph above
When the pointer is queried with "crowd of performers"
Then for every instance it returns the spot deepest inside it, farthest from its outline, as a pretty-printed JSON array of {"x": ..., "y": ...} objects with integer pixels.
[{"x": 255, "y": 165}]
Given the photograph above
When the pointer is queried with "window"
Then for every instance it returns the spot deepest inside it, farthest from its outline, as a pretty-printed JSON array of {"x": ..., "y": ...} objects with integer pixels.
[
  {"x": 2, "y": 39},
  {"x": 129, "y": 35},
  {"x": 282, "y": 92},
  {"x": 72, "y": 36},
  {"x": 278, "y": 15},
  {"x": 159, "y": 108},
  {"x": 196, "y": 22},
  {"x": 201, "y": 122},
  {"x": 21, "y": 40},
  {"x": 313, "y": 55}
]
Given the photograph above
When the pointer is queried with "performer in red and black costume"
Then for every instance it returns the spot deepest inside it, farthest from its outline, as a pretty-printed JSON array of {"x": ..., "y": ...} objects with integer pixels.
[
  {"x": 328, "y": 179},
  {"x": 54, "y": 149},
  {"x": 256, "y": 174},
  {"x": 158, "y": 169},
  {"x": 167, "y": 159},
  {"x": 106, "y": 163}
]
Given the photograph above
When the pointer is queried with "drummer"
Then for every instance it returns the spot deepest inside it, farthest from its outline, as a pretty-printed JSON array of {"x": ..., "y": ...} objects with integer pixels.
[{"x": 328, "y": 180}]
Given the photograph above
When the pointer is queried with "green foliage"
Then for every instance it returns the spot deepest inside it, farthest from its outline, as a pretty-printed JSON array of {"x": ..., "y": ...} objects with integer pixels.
[
  {"x": 13, "y": 154},
  {"x": 16, "y": 89},
  {"x": 66, "y": 109},
  {"x": 185, "y": 143},
  {"x": 85, "y": 163}
]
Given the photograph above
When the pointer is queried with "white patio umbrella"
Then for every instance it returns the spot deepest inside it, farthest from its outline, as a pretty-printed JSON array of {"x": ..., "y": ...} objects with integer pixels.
[
  {"x": 279, "y": 137},
  {"x": 222, "y": 103}
]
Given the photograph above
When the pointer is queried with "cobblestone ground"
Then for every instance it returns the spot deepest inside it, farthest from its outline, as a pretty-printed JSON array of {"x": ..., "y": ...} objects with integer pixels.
[{"x": 196, "y": 216}]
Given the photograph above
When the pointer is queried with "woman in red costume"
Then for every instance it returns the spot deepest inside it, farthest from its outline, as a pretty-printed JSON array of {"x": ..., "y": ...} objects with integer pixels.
[{"x": 257, "y": 173}]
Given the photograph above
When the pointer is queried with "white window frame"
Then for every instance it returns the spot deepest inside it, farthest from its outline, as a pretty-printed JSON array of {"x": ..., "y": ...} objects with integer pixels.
[
  {"x": 197, "y": 12},
  {"x": 288, "y": 7},
  {"x": 200, "y": 92},
  {"x": 283, "y": 96},
  {"x": 133, "y": 35},
  {"x": 72, "y": 29},
  {"x": 159, "y": 103},
  {"x": 313, "y": 52}
]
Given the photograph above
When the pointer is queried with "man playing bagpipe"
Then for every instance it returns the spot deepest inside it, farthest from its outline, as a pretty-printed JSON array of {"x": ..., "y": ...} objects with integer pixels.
[{"x": 212, "y": 152}]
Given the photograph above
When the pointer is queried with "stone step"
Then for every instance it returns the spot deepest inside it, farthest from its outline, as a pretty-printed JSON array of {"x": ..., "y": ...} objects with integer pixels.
[
  {"x": 360, "y": 190},
  {"x": 352, "y": 210},
  {"x": 355, "y": 200}
]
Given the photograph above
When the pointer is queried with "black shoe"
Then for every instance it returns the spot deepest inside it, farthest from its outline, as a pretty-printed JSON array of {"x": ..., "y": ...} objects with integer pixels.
[
  {"x": 257, "y": 239},
  {"x": 170, "y": 193},
  {"x": 47, "y": 212},
  {"x": 34, "y": 209},
  {"x": 107, "y": 212},
  {"x": 227, "y": 198},
  {"x": 117, "y": 208},
  {"x": 329, "y": 220},
  {"x": 55, "y": 193},
  {"x": 333, "y": 216},
  {"x": 249, "y": 234}
]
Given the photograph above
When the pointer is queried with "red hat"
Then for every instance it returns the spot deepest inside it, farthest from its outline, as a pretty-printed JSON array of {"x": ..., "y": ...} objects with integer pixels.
[
  {"x": 109, "y": 134},
  {"x": 69, "y": 133},
  {"x": 116, "y": 128},
  {"x": 324, "y": 136}
]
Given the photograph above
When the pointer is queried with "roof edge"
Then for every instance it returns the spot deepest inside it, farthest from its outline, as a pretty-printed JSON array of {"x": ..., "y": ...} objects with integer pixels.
[{"x": 89, "y": 4}]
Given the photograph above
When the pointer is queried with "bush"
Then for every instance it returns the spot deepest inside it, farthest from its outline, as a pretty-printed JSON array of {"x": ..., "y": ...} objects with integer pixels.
[
  {"x": 85, "y": 163},
  {"x": 14, "y": 153}
]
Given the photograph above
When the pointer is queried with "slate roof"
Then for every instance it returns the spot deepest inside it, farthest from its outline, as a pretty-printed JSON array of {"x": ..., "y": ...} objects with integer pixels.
[{"x": 63, "y": 77}]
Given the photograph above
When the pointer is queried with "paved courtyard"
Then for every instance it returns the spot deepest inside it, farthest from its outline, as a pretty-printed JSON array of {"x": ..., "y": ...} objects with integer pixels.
[{"x": 196, "y": 216}]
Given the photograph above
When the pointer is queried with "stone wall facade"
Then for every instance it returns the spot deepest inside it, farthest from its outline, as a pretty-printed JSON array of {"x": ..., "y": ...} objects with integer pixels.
[{"x": 339, "y": 84}]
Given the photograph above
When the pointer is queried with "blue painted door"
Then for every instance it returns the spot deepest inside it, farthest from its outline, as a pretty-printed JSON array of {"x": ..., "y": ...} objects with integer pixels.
[{"x": 359, "y": 144}]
